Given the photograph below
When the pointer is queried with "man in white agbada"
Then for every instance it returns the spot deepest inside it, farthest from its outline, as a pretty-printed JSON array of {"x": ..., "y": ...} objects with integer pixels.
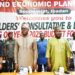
[{"x": 25, "y": 52}]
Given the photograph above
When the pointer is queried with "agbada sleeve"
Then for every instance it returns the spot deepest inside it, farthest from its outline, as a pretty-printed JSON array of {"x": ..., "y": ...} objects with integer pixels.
[
  {"x": 34, "y": 47},
  {"x": 68, "y": 49},
  {"x": 48, "y": 49}
]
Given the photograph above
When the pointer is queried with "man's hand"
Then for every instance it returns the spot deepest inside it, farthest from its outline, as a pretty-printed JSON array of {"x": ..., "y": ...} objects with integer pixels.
[
  {"x": 34, "y": 66},
  {"x": 49, "y": 64},
  {"x": 0, "y": 66},
  {"x": 16, "y": 67},
  {"x": 49, "y": 67}
]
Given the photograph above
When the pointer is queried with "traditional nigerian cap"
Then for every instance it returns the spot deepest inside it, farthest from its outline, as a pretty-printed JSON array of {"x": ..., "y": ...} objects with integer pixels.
[
  {"x": 25, "y": 25},
  {"x": 57, "y": 28},
  {"x": 41, "y": 33}
]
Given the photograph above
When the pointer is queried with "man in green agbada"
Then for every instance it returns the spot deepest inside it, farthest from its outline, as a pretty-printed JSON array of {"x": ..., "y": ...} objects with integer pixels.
[{"x": 58, "y": 51}]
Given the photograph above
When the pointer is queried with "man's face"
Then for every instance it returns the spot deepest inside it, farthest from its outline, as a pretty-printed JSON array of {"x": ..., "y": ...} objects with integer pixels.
[
  {"x": 73, "y": 35},
  {"x": 24, "y": 31},
  {"x": 41, "y": 36},
  {"x": 10, "y": 35},
  {"x": 58, "y": 33}
]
